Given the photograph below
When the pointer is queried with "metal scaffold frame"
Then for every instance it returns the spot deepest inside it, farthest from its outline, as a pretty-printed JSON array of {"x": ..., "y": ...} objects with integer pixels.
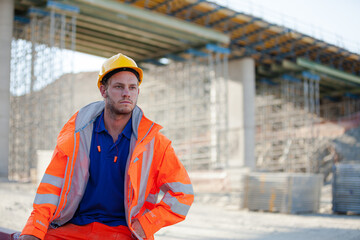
[
  {"x": 42, "y": 51},
  {"x": 286, "y": 114},
  {"x": 294, "y": 121},
  {"x": 346, "y": 110}
]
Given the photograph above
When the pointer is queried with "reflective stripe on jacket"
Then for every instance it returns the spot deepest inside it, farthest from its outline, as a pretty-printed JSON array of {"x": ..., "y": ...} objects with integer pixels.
[{"x": 152, "y": 166}]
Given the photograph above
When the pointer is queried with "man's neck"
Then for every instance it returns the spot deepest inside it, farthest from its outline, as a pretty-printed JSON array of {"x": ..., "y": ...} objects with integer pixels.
[{"x": 115, "y": 124}]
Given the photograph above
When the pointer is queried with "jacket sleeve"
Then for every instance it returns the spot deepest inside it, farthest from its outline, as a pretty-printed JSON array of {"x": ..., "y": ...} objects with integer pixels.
[
  {"x": 175, "y": 183},
  {"x": 47, "y": 196}
]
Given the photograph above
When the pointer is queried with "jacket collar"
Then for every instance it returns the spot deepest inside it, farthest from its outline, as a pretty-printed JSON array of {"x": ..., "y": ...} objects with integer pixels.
[{"x": 141, "y": 126}]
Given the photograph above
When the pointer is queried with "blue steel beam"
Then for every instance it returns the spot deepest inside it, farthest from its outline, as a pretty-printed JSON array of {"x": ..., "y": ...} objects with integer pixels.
[
  {"x": 218, "y": 49},
  {"x": 63, "y": 6},
  {"x": 290, "y": 78},
  {"x": 24, "y": 20},
  {"x": 309, "y": 75}
]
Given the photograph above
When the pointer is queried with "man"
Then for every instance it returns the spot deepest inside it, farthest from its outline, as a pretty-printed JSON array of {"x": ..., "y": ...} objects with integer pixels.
[{"x": 108, "y": 168}]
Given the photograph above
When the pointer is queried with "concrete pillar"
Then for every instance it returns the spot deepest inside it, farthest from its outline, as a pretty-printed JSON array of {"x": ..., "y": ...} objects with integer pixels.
[
  {"x": 241, "y": 100},
  {"x": 6, "y": 26}
]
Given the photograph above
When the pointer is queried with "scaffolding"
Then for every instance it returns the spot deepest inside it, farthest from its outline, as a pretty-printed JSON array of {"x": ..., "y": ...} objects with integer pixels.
[
  {"x": 189, "y": 98},
  {"x": 42, "y": 50},
  {"x": 348, "y": 109},
  {"x": 286, "y": 114}
]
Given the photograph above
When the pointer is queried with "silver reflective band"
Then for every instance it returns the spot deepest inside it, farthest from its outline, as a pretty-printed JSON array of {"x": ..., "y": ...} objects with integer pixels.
[
  {"x": 176, "y": 187},
  {"x": 56, "y": 181},
  {"x": 145, "y": 171},
  {"x": 152, "y": 198},
  {"x": 175, "y": 205},
  {"x": 46, "y": 198}
]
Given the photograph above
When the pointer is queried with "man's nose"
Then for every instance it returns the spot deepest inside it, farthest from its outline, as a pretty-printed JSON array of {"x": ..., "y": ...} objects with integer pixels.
[{"x": 126, "y": 92}]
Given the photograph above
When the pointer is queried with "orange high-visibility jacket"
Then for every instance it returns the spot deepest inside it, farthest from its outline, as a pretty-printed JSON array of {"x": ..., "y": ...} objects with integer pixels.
[{"x": 151, "y": 166}]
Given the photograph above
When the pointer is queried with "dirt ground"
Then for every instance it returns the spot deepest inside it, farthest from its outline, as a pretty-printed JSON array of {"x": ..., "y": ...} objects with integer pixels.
[{"x": 213, "y": 220}]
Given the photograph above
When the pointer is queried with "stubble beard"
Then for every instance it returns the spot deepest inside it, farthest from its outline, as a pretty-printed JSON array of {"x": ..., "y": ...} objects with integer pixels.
[{"x": 113, "y": 110}]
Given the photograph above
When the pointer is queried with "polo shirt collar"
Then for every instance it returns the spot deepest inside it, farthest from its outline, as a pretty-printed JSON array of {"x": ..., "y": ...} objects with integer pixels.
[{"x": 100, "y": 126}]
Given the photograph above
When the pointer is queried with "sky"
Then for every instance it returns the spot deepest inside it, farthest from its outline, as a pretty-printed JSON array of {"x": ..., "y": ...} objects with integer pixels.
[{"x": 334, "y": 21}]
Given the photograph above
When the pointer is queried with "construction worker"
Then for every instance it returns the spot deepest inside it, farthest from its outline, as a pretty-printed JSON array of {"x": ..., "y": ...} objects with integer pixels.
[{"x": 108, "y": 167}]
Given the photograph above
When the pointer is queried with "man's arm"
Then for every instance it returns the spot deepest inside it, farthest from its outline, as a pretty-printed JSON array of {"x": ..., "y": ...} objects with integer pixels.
[
  {"x": 174, "y": 181},
  {"x": 48, "y": 191}
]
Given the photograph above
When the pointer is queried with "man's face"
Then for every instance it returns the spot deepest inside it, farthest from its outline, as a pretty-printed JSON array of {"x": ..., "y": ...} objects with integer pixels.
[{"x": 121, "y": 93}]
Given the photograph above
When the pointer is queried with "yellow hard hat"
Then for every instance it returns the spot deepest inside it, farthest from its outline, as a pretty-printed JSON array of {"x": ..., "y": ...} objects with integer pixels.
[{"x": 122, "y": 63}]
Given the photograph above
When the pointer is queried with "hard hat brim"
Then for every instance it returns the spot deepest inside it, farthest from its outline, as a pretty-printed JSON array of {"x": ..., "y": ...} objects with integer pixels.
[{"x": 137, "y": 72}]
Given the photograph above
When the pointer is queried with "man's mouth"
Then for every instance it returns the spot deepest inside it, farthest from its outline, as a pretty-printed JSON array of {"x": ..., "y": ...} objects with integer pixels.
[{"x": 126, "y": 102}]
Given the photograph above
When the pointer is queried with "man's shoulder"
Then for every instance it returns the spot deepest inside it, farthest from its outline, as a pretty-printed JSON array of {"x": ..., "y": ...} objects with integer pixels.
[{"x": 162, "y": 139}]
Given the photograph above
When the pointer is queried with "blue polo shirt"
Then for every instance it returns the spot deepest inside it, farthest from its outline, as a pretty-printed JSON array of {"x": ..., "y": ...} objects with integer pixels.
[{"x": 103, "y": 200}]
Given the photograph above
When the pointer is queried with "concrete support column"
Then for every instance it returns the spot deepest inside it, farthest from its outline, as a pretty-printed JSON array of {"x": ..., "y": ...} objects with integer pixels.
[
  {"x": 6, "y": 26},
  {"x": 242, "y": 113}
]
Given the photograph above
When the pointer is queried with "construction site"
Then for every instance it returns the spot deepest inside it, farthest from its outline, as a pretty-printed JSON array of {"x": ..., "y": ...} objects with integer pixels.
[{"x": 263, "y": 117}]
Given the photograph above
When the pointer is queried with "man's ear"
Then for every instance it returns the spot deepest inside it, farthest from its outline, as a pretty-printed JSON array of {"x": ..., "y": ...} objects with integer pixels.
[{"x": 103, "y": 91}]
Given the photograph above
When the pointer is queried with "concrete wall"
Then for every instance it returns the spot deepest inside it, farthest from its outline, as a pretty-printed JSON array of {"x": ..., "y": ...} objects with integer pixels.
[
  {"x": 241, "y": 100},
  {"x": 6, "y": 23}
]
